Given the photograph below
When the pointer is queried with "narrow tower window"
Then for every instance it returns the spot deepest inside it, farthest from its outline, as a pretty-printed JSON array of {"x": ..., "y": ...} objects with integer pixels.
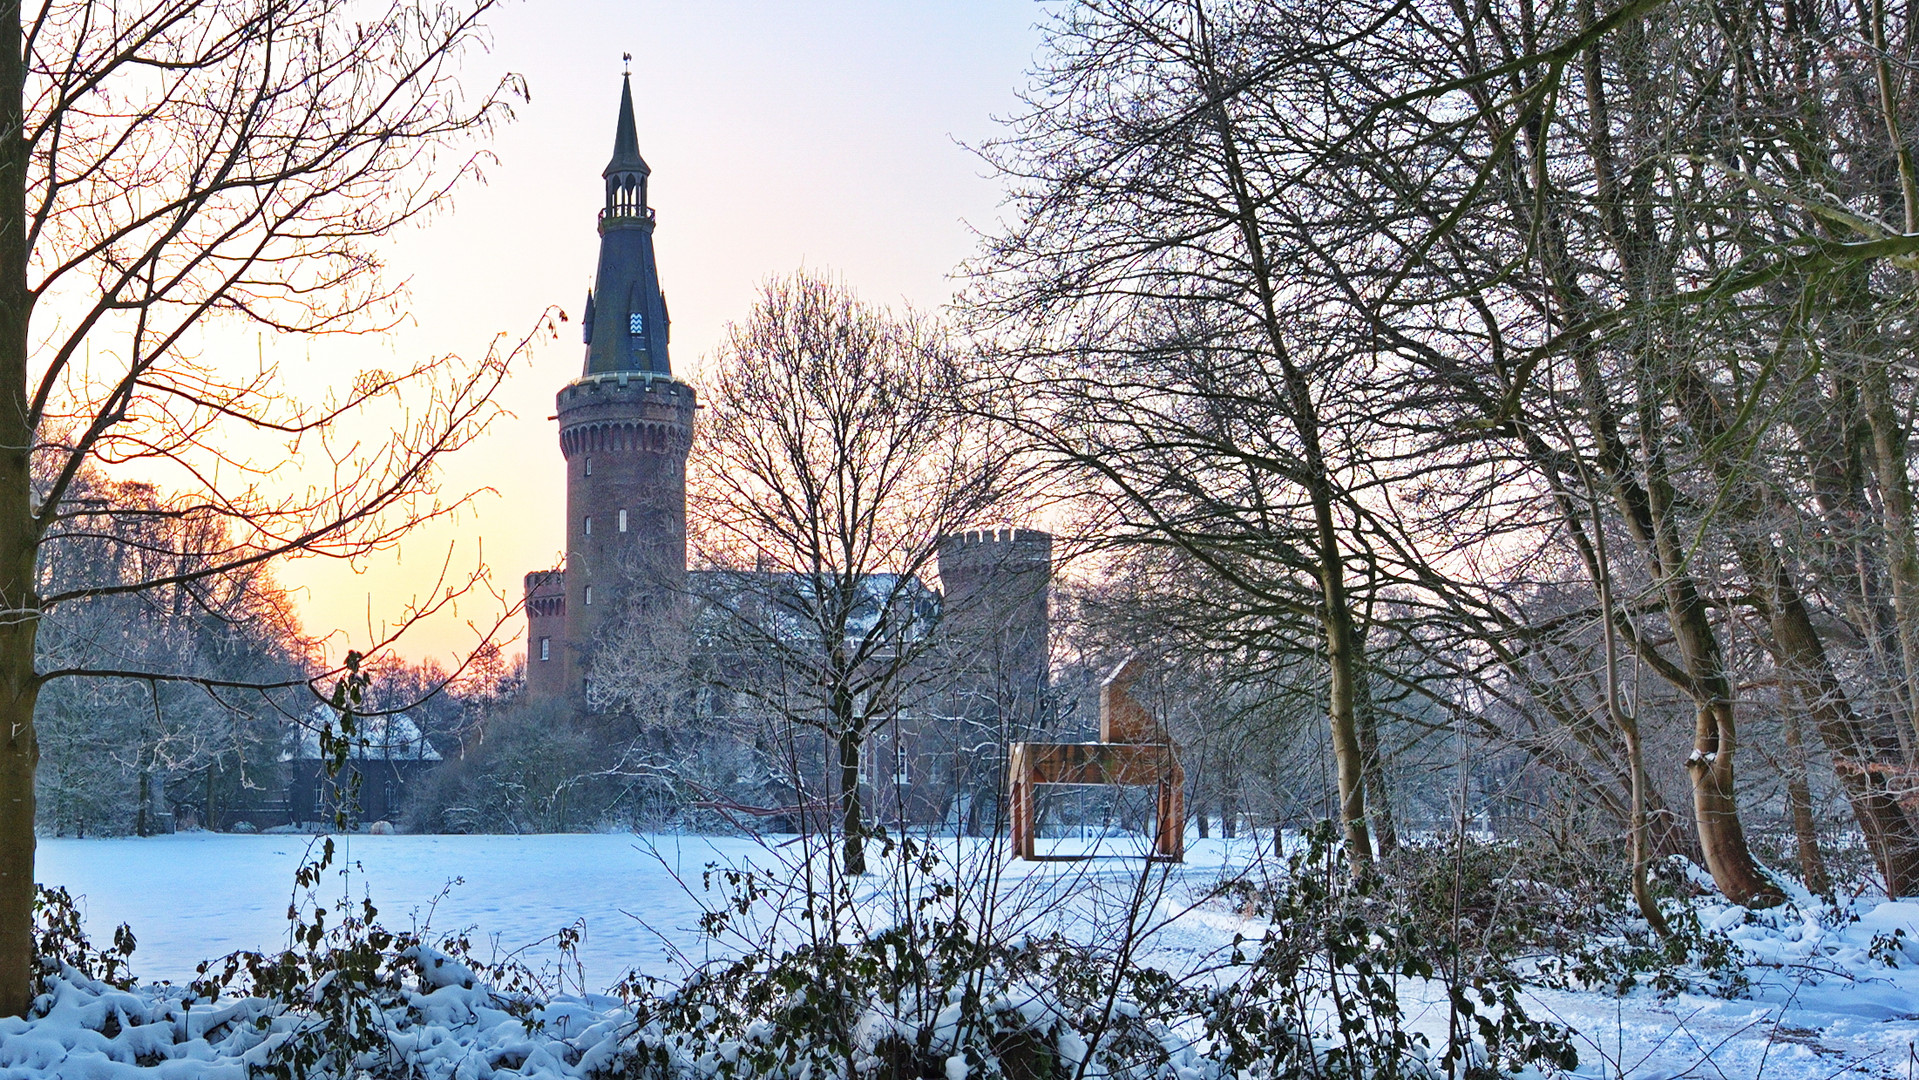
[
  {"x": 622, "y": 521},
  {"x": 589, "y": 596},
  {"x": 546, "y": 649},
  {"x": 589, "y": 524},
  {"x": 589, "y": 465}
]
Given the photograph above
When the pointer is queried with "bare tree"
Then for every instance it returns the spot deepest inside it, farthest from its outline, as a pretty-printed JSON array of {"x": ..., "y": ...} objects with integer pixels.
[
  {"x": 1168, "y": 339},
  {"x": 834, "y": 454},
  {"x": 114, "y": 744},
  {"x": 163, "y": 164}
]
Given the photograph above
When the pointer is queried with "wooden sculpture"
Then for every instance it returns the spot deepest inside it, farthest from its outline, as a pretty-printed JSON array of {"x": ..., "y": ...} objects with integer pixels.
[{"x": 1133, "y": 750}]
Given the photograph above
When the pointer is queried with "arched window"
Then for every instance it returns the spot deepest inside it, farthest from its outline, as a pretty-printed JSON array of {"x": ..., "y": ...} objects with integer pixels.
[
  {"x": 622, "y": 520},
  {"x": 589, "y": 524},
  {"x": 589, "y": 596}
]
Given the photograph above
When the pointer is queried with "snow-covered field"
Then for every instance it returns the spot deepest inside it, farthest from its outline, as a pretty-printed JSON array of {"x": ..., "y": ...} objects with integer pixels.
[
  {"x": 1821, "y": 1006},
  {"x": 195, "y": 896}
]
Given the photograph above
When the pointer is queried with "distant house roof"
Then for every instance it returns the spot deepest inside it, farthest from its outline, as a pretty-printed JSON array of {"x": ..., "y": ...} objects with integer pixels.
[{"x": 393, "y": 737}]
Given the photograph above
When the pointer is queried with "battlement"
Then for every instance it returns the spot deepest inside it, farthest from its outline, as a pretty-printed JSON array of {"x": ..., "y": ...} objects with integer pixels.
[
  {"x": 546, "y": 594},
  {"x": 617, "y": 383},
  {"x": 625, "y": 410},
  {"x": 981, "y": 537},
  {"x": 978, "y": 553}
]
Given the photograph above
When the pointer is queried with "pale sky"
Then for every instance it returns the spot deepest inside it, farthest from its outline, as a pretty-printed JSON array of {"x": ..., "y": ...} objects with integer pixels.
[{"x": 781, "y": 135}]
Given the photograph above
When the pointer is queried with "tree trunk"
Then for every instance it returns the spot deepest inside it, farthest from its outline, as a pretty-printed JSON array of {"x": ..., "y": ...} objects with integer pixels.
[
  {"x": 1812, "y": 866},
  {"x": 1895, "y": 501},
  {"x": 19, "y": 687},
  {"x": 1800, "y": 657},
  {"x": 1722, "y": 839},
  {"x": 1640, "y": 830},
  {"x": 1349, "y": 757},
  {"x": 1344, "y": 651},
  {"x": 1648, "y": 513},
  {"x": 1721, "y": 836},
  {"x": 19, "y": 756},
  {"x": 852, "y": 824},
  {"x": 1802, "y": 660},
  {"x": 1379, "y": 804}
]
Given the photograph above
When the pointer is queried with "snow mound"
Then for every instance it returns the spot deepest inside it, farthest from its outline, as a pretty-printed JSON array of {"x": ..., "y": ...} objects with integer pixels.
[{"x": 84, "y": 1028}]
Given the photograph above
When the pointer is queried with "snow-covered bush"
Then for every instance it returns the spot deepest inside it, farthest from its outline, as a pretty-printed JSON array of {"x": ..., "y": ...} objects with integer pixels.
[
  {"x": 346, "y": 999},
  {"x": 1320, "y": 992},
  {"x": 1486, "y": 905},
  {"x": 938, "y": 995}
]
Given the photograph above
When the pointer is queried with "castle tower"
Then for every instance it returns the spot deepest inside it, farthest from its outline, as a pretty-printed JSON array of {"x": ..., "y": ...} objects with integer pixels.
[
  {"x": 625, "y": 428},
  {"x": 994, "y": 619},
  {"x": 995, "y": 636}
]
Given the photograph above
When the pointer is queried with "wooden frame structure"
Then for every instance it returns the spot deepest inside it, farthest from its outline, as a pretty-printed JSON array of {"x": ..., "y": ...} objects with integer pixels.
[{"x": 1133, "y": 750}]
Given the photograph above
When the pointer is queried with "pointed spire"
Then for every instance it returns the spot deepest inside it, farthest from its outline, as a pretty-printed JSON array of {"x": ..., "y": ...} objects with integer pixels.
[
  {"x": 626, "y": 139},
  {"x": 626, "y": 315}
]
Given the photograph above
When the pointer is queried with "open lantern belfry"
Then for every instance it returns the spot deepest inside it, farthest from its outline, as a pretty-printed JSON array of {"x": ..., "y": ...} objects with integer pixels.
[{"x": 1133, "y": 750}]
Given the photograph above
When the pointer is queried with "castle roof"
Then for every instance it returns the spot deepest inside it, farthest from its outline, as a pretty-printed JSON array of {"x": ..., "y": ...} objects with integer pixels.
[
  {"x": 626, "y": 327},
  {"x": 392, "y": 737},
  {"x": 783, "y": 604}
]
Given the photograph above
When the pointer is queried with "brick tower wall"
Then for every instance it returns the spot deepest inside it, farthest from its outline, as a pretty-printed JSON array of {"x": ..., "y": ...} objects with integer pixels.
[{"x": 625, "y": 437}]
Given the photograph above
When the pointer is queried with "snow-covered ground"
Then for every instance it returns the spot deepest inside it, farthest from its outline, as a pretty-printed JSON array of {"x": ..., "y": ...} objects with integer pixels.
[
  {"x": 1822, "y": 1005},
  {"x": 196, "y": 896}
]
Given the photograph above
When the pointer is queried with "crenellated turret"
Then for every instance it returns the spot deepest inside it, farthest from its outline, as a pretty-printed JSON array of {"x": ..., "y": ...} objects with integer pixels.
[
  {"x": 547, "y": 671},
  {"x": 994, "y": 620}
]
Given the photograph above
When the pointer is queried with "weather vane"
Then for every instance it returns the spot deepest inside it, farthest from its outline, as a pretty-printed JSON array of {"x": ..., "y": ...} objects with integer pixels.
[{"x": 628, "y": 58}]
